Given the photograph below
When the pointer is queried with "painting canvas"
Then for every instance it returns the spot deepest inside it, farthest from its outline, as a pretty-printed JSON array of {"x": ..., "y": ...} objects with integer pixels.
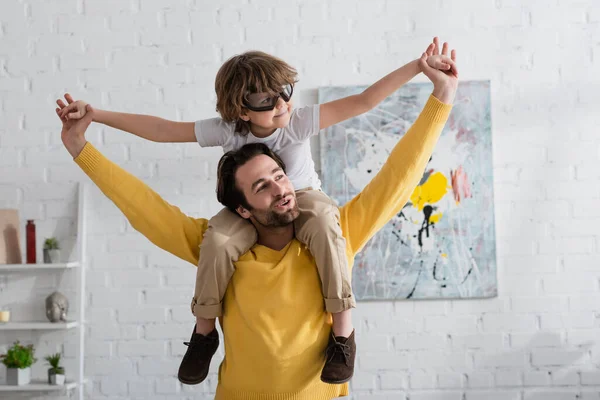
[{"x": 442, "y": 243}]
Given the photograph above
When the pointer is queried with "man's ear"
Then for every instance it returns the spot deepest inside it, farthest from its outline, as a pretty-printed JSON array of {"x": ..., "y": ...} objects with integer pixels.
[{"x": 243, "y": 212}]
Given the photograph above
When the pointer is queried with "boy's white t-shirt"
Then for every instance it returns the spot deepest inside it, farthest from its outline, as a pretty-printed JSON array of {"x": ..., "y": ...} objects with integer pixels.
[{"x": 291, "y": 143}]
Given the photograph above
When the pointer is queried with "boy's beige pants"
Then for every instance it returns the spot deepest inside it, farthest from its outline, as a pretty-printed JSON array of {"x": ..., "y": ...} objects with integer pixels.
[{"x": 229, "y": 236}]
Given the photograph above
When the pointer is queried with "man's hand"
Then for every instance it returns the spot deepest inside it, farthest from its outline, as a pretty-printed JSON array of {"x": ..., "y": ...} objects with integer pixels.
[
  {"x": 73, "y": 130},
  {"x": 445, "y": 82}
]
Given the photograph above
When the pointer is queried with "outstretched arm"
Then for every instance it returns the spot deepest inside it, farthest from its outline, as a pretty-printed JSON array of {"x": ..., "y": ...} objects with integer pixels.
[
  {"x": 391, "y": 188},
  {"x": 162, "y": 223},
  {"x": 340, "y": 110},
  {"x": 145, "y": 126}
]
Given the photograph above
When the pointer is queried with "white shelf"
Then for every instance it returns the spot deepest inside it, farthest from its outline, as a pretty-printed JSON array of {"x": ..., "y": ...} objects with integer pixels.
[
  {"x": 35, "y": 267},
  {"x": 37, "y": 325},
  {"x": 77, "y": 264},
  {"x": 39, "y": 386}
]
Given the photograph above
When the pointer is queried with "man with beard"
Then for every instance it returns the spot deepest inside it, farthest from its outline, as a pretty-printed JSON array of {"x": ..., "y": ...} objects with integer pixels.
[{"x": 274, "y": 323}]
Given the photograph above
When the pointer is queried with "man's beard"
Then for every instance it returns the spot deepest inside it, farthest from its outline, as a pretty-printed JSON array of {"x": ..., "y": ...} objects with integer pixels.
[{"x": 273, "y": 219}]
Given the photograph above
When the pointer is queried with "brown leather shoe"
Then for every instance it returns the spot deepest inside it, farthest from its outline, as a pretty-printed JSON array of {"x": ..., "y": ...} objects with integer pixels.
[
  {"x": 339, "y": 362},
  {"x": 195, "y": 363}
]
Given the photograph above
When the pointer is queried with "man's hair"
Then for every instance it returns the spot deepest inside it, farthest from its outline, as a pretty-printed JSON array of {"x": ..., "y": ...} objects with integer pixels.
[
  {"x": 228, "y": 192},
  {"x": 249, "y": 72}
]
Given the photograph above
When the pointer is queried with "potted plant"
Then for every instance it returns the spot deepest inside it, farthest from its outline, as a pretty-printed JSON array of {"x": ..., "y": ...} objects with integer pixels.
[
  {"x": 51, "y": 251},
  {"x": 56, "y": 374},
  {"x": 18, "y": 360}
]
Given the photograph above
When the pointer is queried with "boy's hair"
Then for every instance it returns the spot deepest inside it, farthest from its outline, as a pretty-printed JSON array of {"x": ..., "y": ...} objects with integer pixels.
[
  {"x": 249, "y": 72},
  {"x": 228, "y": 193}
]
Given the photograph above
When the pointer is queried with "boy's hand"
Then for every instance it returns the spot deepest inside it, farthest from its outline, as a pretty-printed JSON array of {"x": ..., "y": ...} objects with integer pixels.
[
  {"x": 440, "y": 61},
  {"x": 75, "y": 109},
  {"x": 443, "y": 63}
]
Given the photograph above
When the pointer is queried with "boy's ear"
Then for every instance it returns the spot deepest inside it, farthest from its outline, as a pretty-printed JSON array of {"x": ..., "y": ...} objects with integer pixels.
[
  {"x": 244, "y": 115},
  {"x": 243, "y": 212}
]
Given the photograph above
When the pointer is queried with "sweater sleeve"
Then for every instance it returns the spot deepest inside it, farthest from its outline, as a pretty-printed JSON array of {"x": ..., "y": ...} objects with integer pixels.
[
  {"x": 391, "y": 188},
  {"x": 162, "y": 223}
]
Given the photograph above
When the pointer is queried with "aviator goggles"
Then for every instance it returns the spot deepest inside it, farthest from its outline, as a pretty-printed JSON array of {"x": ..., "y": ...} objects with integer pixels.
[{"x": 264, "y": 102}]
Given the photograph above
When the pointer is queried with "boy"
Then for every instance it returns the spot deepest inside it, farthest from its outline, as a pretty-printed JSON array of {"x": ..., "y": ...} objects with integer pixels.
[{"x": 254, "y": 93}]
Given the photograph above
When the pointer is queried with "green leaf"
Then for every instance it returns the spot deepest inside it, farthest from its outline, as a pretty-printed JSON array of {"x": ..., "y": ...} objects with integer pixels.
[{"x": 19, "y": 356}]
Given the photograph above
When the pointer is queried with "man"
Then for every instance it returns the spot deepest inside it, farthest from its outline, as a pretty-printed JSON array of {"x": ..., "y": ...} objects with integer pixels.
[{"x": 275, "y": 326}]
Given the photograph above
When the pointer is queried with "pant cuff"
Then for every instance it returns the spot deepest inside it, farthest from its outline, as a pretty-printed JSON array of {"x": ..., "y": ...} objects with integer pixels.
[
  {"x": 339, "y": 305},
  {"x": 207, "y": 311}
]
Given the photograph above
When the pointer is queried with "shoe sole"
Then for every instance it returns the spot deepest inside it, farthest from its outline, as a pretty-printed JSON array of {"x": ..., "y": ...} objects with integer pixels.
[
  {"x": 185, "y": 382},
  {"x": 337, "y": 382},
  {"x": 193, "y": 382}
]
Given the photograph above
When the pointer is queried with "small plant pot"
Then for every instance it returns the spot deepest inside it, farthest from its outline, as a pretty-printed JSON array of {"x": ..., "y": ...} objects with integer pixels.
[
  {"x": 18, "y": 376},
  {"x": 51, "y": 256},
  {"x": 57, "y": 379}
]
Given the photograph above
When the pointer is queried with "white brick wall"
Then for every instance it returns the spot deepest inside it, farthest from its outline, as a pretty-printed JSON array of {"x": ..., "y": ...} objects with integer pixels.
[{"x": 540, "y": 339}]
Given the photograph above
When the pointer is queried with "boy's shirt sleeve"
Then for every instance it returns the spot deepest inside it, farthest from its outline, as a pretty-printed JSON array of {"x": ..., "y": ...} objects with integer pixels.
[
  {"x": 213, "y": 132},
  {"x": 304, "y": 122},
  {"x": 162, "y": 223}
]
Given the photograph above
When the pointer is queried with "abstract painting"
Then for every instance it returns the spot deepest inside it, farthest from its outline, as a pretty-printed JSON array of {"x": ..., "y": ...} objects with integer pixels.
[{"x": 442, "y": 243}]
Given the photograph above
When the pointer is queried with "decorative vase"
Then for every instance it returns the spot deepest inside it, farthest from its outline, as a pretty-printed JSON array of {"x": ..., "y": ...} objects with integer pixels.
[
  {"x": 57, "y": 379},
  {"x": 30, "y": 239},
  {"x": 18, "y": 376}
]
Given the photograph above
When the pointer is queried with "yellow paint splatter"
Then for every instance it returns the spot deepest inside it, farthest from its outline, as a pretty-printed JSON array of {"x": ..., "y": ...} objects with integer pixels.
[
  {"x": 444, "y": 255},
  {"x": 430, "y": 192},
  {"x": 435, "y": 218}
]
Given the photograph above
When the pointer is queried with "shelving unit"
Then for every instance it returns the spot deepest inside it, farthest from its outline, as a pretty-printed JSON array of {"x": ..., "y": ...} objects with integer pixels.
[
  {"x": 34, "y": 267},
  {"x": 76, "y": 378},
  {"x": 39, "y": 386},
  {"x": 38, "y": 326}
]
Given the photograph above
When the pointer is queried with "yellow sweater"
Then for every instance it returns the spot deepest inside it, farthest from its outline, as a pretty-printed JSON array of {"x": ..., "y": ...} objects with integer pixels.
[{"x": 274, "y": 323}]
